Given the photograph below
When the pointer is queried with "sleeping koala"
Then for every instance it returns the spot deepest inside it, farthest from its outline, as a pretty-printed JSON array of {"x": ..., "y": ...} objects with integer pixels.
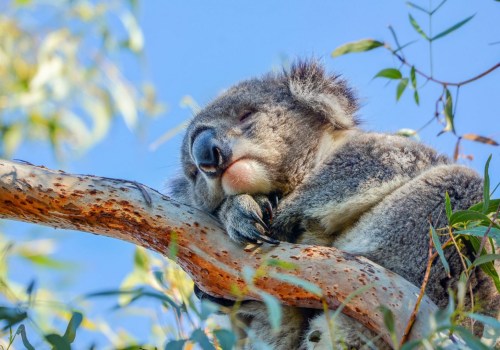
[{"x": 281, "y": 158}]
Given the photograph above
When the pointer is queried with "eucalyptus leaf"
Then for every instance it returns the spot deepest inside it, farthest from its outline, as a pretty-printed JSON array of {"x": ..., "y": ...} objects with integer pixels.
[
  {"x": 487, "y": 320},
  {"x": 74, "y": 323},
  {"x": 452, "y": 28},
  {"x": 24, "y": 337},
  {"x": 175, "y": 344},
  {"x": 417, "y": 27},
  {"x": 492, "y": 206},
  {"x": 390, "y": 323},
  {"x": 413, "y": 77},
  {"x": 479, "y": 138},
  {"x": 273, "y": 309},
  {"x": 465, "y": 216},
  {"x": 12, "y": 316},
  {"x": 357, "y": 46},
  {"x": 439, "y": 249},
  {"x": 58, "y": 342},
  {"x": 480, "y": 231},
  {"x": 448, "y": 113},
  {"x": 447, "y": 203},
  {"x": 485, "y": 259},
  {"x": 470, "y": 340},
  {"x": 199, "y": 337},
  {"x": 401, "y": 88},
  {"x": 416, "y": 97},
  {"x": 415, "y": 6},
  {"x": 389, "y": 73},
  {"x": 308, "y": 286},
  {"x": 141, "y": 259},
  {"x": 225, "y": 338},
  {"x": 486, "y": 186}
]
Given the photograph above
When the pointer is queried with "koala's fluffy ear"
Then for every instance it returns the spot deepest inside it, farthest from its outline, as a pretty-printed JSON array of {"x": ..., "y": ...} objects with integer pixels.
[{"x": 323, "y": 94}]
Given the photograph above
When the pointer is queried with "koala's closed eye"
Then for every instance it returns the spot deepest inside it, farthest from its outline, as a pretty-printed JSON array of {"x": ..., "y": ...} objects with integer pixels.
[{"x": 246, "y": 114}]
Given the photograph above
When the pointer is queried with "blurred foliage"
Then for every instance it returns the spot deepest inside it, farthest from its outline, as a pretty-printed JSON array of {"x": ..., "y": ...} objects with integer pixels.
[{"x": 60, "y": 79}]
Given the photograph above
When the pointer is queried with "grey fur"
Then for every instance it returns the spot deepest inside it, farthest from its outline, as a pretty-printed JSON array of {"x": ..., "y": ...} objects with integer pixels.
[{"x": 367, "y": 193}]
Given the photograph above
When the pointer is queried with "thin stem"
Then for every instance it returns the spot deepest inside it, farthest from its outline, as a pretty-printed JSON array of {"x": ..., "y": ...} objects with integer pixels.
[
  {"x": 441, "y": 82},
  {"x": 413, "y": 316},
  {"x": 431, "y": 65},
  {"x": 456, "y": 101},
  {"x": 485, "y": 237}
]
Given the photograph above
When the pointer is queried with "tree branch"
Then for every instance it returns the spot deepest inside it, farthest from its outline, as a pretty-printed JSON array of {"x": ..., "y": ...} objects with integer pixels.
[{"x": 120, "y": 209}]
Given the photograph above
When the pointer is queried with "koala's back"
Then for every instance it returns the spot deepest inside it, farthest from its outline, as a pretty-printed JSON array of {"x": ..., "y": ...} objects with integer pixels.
[{"x": 376, "y": 196}]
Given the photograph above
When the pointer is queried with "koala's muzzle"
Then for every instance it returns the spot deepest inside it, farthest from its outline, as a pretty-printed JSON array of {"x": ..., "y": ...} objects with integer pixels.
[{"x": 210, "y": 154}]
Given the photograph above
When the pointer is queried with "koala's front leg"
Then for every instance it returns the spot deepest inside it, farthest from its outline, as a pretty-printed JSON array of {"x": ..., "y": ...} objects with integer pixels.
[{"x": 247, "y": 218}]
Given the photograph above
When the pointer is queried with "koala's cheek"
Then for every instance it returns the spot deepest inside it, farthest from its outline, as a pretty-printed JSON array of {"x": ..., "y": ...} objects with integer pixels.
[{"x": 246, "y": 176}]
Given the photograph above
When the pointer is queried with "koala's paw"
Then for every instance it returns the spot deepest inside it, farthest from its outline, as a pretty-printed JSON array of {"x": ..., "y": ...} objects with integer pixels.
[{"x": 248, "y": 218}]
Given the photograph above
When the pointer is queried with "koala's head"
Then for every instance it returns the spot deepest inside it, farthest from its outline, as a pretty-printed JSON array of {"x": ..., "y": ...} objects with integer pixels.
[{"x": 262, "y": 135}]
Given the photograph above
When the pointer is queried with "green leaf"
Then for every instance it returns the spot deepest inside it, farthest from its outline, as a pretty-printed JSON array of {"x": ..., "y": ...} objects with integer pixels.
[
  {"x": 137, "y": 294},
  {"x": 439, "y": 249},
  {"x": 485, "y": 259},
  {"x": 44, "y": 261},
  {"x": 201, "y": 338},
  {"x": 465, "y": 216},
  {"x": 74, "y": 323},
  {"x": 176, "y": 344},
  {"x": 389, "y": 323},
  {"x": 281, "y": 264},
  {"x": 480, "y": 231},
  {"x": 487, "y": 320},
  {"x": 492, "y": 206},
  {"x": 452, "y": 28},
  {"x": 308, "y": 286},
  {"x": 248, "y": 274},
  {"x": 486, "y": 187},
  {"x": 389, "y": 73},
  {"x": 470, "y": 340},
  {"x": 413, "y": 77},
  {"x": 448, "y": 113},
  {"x": 416, "y": 97},
  {"x": 401, "y": 88},
  {"x": 488, "y": 268},
  {"x": 12, "y": 137},
  {"x": 22, "y": 331},
  {"x": 225, "y": 338},
  {"x": 141, "y": 259},
  {"x": 447, "y": 203},
  {"x": 357, "y": 46},
  {"x": 273, "y": 309},
  {"x": 12, "y": 315},
  {"x": 207, "y": 308},
  {"x": 415, "y": 6},
  {"x": 57, "y": 342},
  {"x": 416, "y": 26}
]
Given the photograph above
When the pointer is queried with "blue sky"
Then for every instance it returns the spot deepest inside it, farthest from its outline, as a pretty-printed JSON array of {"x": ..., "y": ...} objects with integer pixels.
[{"x": 201, "y": 48}]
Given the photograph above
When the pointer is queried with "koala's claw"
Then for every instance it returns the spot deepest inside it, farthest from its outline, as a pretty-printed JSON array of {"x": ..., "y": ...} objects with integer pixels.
[
  {"x": 259, "y": 220},
  {"x": 248, "y": 218}
]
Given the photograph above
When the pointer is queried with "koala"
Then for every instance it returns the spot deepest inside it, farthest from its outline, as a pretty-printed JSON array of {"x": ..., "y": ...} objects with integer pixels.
[{"x": 283, "y": 158}]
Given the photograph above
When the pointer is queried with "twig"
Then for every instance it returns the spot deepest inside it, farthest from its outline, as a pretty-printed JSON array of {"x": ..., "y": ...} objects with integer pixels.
[
  {"x": 441, "y": 82},
  {"x": 485, "y": 237},
  {"x": 413, "y": 316}
]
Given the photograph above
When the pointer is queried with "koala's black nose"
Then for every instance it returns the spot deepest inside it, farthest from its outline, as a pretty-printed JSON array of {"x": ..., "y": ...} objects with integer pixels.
[{"x": 210, "y": 154}]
